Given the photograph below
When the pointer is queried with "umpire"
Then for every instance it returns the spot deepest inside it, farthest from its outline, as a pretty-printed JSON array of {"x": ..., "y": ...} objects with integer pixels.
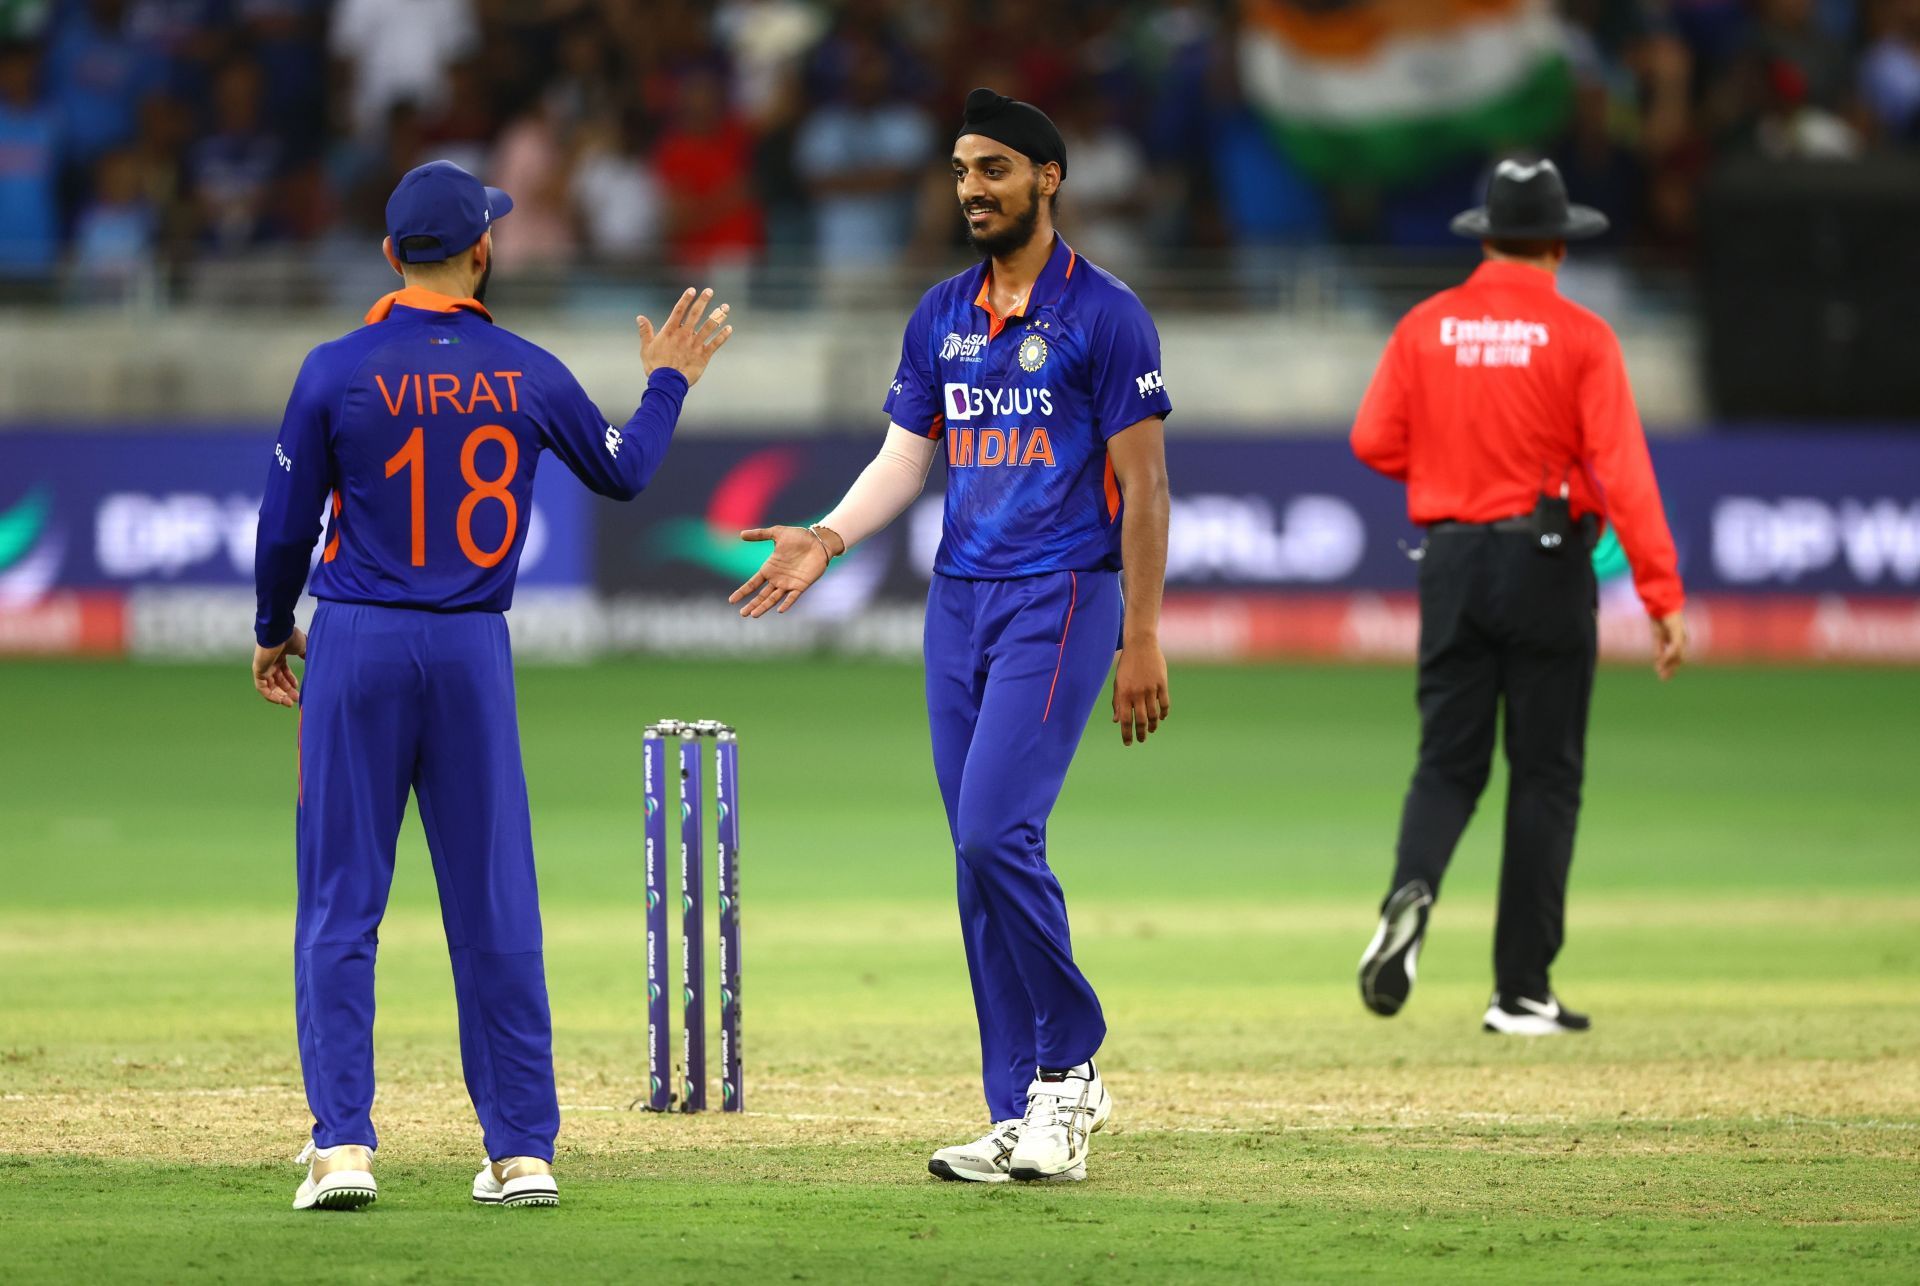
[{"x": 1506, "y": 411}]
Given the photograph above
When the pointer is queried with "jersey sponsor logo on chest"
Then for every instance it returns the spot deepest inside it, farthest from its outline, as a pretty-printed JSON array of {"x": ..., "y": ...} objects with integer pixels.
[
  {"x": 966, "y": 402},
  {"x": 1492, "y": 341}
]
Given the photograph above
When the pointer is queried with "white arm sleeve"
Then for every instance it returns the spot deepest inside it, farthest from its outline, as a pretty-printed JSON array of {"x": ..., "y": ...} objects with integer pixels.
[{"x": 885, "y": 487}]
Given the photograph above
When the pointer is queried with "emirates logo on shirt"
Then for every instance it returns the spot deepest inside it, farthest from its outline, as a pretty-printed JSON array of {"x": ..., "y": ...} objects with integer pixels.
[{"x": 1492, "y": 341}]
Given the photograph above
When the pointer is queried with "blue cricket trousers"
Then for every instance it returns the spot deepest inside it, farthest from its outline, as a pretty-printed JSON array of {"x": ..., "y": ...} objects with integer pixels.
[
  {"x": 397, "y": 700},
  {"x": 1013, "y": 670}
]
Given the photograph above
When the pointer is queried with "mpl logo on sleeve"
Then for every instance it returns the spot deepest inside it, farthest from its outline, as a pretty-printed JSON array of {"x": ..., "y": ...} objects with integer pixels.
[
  {"x": 962, "y": 348},
  {"x": 1492, "y": 341},
  {"x": 1151, "y": 382}
]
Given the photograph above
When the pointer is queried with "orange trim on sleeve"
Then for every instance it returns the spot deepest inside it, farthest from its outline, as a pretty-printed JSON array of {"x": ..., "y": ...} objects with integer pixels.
[
  {"x": 428, "y": 301},
  {"x": 1113, "y": 491},
  {"x": 333, "y": 546}
]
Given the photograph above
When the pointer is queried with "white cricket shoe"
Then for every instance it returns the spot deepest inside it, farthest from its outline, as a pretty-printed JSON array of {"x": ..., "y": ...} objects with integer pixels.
[
  {"x": 338, "y": 1178},
  {"x": 1062, "y": 1114},
  {"x": 516, "y": 1181},
  {"x": 1525, "y": 1016},
  {"x": 982, "y": 1161}
]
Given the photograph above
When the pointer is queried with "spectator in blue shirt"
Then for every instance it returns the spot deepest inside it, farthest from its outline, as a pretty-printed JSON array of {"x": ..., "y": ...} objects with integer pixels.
[
  {"x": 114, "y": 240},
  {"x": 231, "y": 172},
  {"x": 863, "y": 161},
  {"x": 98, "y": 72},
  {"x": 29, "y": 160}
]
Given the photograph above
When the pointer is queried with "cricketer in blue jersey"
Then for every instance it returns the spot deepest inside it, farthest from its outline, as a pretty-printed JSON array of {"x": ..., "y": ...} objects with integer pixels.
[
  {"x": 1040, "y": 375},
  {"x": 418, "y": 435}
]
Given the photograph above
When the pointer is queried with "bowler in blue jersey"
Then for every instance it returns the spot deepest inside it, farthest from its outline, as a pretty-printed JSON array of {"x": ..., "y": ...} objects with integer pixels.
[
  {"x": 414, "y": 439},
  {"x": 1038, "y": 376}
]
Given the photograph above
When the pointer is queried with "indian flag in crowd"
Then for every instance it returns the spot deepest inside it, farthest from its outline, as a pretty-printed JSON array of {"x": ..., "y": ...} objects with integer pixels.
[{"x": 1385, "y": 91}]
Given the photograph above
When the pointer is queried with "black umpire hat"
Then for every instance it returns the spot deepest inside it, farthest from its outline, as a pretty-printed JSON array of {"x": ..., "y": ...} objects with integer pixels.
[{"x": 1527, "y": 201}]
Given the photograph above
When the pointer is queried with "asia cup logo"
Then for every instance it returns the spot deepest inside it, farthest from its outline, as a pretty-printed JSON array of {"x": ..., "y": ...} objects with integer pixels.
[{"x": 961, "y": 348}]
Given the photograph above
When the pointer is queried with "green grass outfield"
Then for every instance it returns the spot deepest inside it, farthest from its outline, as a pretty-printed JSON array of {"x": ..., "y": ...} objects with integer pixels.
[{"x": 1745, "y": 926}]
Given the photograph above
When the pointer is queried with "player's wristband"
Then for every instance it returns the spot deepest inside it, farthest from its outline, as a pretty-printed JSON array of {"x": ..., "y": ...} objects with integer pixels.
[{"x": 814, "y": 531}]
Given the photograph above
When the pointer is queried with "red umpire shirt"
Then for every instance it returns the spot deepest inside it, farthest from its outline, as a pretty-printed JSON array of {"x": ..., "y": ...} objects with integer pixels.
[{"x": 1499, "y": 389}]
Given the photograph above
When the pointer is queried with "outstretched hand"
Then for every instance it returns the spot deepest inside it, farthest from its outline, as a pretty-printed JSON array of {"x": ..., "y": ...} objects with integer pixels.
[
  {"x": 797, "y": 561},
  {"x": 272, "y": 676},
  {"x": 684, "y": 343}
]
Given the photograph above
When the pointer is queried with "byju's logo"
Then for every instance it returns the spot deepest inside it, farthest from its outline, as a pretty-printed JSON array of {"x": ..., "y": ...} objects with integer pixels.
[
  {"x": 962, "y": 348},
  {"x": 965, "y": 402}
]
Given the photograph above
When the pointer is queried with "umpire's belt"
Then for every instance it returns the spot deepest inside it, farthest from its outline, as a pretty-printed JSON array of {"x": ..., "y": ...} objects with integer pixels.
[
  {"x": 1588, "y": 525},
  {"x": 1519, "y": 522}
]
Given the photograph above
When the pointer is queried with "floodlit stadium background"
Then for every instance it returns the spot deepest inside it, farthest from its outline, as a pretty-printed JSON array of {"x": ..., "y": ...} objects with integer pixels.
[{"x": 192, "y": 198}]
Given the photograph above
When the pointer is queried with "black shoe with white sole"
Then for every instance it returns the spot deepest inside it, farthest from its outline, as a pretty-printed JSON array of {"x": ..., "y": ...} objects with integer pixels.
[
  {"x": 1526, "y": 1016},
  {"x": 1387, "y": 968}
]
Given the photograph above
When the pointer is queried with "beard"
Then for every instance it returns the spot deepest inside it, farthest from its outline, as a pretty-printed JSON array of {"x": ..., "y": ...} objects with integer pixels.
[
  {"x": 480, "y": 287},
  {"x": 998, "y": 245}
]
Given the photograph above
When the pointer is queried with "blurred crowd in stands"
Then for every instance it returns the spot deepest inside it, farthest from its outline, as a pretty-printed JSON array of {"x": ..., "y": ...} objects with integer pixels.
[{"x": 711, "y": 133}]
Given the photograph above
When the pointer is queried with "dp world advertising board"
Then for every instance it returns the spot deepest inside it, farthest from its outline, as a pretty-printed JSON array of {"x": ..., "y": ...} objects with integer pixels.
[{"x": 1794, "y": 547}]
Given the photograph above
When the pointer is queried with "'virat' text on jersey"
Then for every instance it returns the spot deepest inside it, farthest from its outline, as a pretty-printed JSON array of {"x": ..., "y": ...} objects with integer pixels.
[
  {"x": 419, "y": 433},
  {"x": 1025, "y": 404}
]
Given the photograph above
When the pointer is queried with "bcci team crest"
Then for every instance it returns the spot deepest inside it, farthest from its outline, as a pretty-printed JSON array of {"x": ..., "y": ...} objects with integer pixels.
[{"x": 1033, "y": 353}]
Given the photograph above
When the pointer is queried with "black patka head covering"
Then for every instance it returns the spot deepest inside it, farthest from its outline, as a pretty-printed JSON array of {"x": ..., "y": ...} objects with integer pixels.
[{"x": 1021, "y": 126}]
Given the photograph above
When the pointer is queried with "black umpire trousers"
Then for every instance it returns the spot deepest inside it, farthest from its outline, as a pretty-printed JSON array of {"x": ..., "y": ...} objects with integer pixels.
[{"x": 1504, "y": 624}]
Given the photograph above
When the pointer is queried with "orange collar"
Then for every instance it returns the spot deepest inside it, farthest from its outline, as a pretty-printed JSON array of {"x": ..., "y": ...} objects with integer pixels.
[
  {"x": 427, "y": 301},
  {"x": 996, "y": 321},
  {"x": 1062, "y": 257}
]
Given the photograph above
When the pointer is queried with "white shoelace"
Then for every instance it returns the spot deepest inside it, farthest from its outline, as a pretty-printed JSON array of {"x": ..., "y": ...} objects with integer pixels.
[{"x": 1047, "y": 1108}]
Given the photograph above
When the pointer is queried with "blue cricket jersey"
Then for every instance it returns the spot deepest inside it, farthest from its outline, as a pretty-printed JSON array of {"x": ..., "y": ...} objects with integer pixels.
[
  {"x": 1026, "y": 403},
  {"x": 418, "y": 434}
]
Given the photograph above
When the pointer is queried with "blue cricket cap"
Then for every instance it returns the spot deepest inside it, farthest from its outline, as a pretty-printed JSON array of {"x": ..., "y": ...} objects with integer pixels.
[{"x": 442, "y": 201}]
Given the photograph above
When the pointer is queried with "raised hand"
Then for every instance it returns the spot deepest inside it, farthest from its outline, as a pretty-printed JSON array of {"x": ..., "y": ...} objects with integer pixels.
[
  {"x": 798, "y": 559},
  {"x": 684, "y": 343}
]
